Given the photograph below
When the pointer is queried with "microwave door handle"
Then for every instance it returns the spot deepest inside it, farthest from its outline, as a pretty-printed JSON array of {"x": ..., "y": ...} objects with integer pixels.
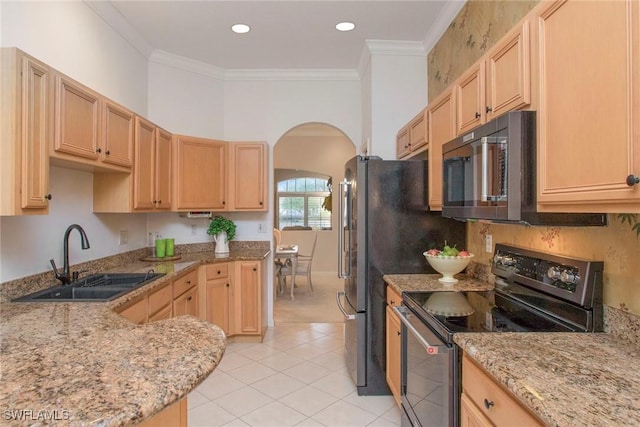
[{"x": 484, "y": 178}]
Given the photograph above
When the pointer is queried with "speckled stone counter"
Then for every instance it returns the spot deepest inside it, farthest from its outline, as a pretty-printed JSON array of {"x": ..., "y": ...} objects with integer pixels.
[
  {"x": 430, "y": 282},
  {"x": 85, "y": 365},
  {"x": 567, "y": 379}
]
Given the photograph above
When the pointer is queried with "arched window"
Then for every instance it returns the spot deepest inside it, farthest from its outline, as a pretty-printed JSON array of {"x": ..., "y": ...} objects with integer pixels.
[{"x": 300, "y": 201}]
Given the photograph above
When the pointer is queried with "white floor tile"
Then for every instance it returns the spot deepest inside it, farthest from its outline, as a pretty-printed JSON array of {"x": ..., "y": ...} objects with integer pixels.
[
  {"x": 307, "y": 372},
  {"x": 337, "y": 384},
  {"x": 377, "y": 405},
  {"x": 344, "y": 414},
  {"x": 209, "y": 415},
  {"x": 298, "y": 377},
  {"x": 308, "y": 400},
  {"x": 195, "y": 399},
  {"x": 214, "y": 387},
  {"x": 251, "y": 372},
  {"x": 243, "y": 401},
  {"x": 274, "y": 414},
  {"x": 277, "y": 385}
]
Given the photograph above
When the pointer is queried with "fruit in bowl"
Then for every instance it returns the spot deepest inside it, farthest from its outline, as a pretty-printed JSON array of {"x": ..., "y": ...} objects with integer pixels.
[{"x": 448, "y": 262}]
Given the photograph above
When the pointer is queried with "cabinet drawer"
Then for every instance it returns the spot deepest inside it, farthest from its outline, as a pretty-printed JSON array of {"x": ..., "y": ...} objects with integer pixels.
[
  {"x": 162, "y": 314},
  {"x": 217, "y": 271},
  {"x": 136, "y": 311},
  {"x": 184, "y": 283},
  {"x": 393, "y": 298},
  {"x": 159, "y": 299},
  {"x": 493, "y": 401}
]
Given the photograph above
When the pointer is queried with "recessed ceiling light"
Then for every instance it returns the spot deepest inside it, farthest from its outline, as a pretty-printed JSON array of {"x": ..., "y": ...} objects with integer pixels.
[
  {"x": 240, "y": 28},
  {"x": 345, "y": 26}
]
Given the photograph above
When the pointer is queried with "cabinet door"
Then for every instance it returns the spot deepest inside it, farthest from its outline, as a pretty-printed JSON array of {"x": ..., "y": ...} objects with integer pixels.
[
  {"x": 248, "y": 189},
  {"x": 187, "y": 303},
  {"x": 200, "y": 173},
  {"x": 217, "y": 303},
  {"x": 441, "y": 125},
  {"x": 418, "y": 131},
  {"x": 247, "y": 295},
  {"x": 393, "y": 346},
  {"x": 136, "y": 312},
  {"x": 36, "y": 134},
  {"x": 144, "y": 165},
  {"x": 402, "y": 143},
  {"x": 76, "y": 119},
  {"x": 589, "y": 115},
  {"x": 509, "y": 73},
  {"x": 470, "y": 90},
  {"x": 117, "y": 135},
  {"x": 470, "y": 415},
  {"x": 163, "y": 169}
]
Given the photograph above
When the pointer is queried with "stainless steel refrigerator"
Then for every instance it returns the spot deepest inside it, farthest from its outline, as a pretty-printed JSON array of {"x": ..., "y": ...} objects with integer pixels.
[{"x": 385, "y": 226}]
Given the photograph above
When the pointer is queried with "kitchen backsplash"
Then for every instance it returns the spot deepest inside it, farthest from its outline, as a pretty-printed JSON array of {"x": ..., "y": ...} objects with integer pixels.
[{"x": 617, "y": 244}]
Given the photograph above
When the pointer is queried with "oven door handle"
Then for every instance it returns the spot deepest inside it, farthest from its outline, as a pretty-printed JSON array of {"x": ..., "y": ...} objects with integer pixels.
[{"x": 402, "y": 313}]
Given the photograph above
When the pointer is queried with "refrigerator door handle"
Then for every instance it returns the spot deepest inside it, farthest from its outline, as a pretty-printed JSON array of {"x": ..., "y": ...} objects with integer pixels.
[
  {"x": 341, "y": 307},
  {"x": 342, "y": 274}
]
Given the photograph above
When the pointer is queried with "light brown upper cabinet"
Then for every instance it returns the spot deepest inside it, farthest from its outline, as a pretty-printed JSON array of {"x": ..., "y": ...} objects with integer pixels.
[
  {"x": 412, "y": 138},
  {"x": 247, "y": 177},
  {"x": 153, "y": 168},
  {"x": 441, "y": 119},
  {"x": 589, "y": 113},
  {"x": 77, "y": 113},
  {"x": 200, "y": 173},
  {"x": 26, "y": 130},
  {"x": 116, "y": 137},
  {"x": 90, "y": 131},
  {"x": 499, "y": 82}
]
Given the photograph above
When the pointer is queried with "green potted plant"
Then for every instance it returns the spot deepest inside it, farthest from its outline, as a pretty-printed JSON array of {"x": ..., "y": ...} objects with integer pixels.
[{"x": 222, "y": 230}]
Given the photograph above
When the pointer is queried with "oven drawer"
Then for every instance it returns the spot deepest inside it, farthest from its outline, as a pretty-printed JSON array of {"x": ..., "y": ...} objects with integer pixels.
[{"x": 491, "y": 399}]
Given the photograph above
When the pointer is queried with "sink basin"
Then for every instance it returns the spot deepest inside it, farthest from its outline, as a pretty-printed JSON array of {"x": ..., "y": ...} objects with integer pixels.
[{"x": 97, "y": 287}]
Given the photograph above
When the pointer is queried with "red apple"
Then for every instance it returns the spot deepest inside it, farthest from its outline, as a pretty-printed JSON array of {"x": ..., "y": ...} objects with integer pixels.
[
  {"x": 433, "y": 252},
  {"x": 464, "y": 253}
]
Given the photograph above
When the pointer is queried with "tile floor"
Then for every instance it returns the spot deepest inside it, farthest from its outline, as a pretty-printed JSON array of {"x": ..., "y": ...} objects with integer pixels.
[{"x": 295, "y": 377}]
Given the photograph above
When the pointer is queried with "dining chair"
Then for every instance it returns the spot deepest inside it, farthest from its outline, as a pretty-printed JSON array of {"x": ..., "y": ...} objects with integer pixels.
[
  {"x": 278, "y": 263},
  {"x": 303, "y": 267}
]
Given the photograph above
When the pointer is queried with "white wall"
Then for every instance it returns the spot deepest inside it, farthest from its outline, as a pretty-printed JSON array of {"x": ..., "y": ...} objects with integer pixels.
[
  {"x": 71, "y": 38},
  {"x": 398, "y": 93}
]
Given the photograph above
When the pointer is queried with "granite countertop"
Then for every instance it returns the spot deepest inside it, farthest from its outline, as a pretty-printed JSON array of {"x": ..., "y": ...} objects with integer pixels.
[
  {"x": 567, "y": 379},
  {"x": 429, "y": 282},
  {"x": 83, "y": 364}
]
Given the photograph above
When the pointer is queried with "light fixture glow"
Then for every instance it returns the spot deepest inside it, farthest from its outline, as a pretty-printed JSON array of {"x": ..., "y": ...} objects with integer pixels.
[
  {"x": 345, "y": 26},
  {"x": 240, "y": 28}
]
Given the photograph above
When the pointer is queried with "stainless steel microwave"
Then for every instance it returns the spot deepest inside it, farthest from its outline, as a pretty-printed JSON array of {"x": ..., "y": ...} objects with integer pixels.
[{"x": 490, "y": 173}]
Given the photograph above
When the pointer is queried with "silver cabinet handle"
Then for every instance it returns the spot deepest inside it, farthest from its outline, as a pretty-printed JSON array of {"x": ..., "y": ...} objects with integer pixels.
[{"x": 341, "y": 307}]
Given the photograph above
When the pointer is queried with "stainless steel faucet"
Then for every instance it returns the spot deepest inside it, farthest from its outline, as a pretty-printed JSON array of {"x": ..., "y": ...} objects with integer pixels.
[{"x": 66, "y": 276}]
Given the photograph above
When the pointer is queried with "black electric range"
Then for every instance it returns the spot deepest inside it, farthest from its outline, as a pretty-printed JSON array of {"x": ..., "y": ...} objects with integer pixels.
[{"x": 534, "y": 292}]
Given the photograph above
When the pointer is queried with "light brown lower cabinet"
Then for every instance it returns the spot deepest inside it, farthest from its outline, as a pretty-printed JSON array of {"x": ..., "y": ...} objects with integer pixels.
[
  {"x": 172, "y": 416},
  {"x": 487, "y": 403},
  {"x": 393, "y": 344},
  {"x": 232, "y": 298},
  {"x": 187, "y": 303},
  {"x": 136, "y": 311}
]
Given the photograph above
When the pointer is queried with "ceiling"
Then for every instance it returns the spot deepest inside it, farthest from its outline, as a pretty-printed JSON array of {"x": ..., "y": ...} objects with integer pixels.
[{"x": 284, "y": 34}]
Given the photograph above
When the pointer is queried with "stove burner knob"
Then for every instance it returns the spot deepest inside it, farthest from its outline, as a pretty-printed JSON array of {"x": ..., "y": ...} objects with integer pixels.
[
  {"x": 504, "y": 259},
  {"x": 554, "y": 273},
  {"x": 569, "y": 277}
]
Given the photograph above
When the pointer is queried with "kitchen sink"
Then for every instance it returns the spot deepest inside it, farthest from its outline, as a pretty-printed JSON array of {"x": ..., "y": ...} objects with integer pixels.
[{"x": 97, "y": 287}]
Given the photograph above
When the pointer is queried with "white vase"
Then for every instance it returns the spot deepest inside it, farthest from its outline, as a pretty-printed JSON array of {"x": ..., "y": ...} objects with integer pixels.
[{"x": 222, "y": 244}]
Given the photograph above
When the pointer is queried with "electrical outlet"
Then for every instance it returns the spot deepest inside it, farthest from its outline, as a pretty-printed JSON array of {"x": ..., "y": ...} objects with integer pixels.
[
  {"x": 261, "y": 228},
  {"x": 124, "y": 237},
  {"x": 194, "y": 230},
  {"x": 488, "y": 243}
]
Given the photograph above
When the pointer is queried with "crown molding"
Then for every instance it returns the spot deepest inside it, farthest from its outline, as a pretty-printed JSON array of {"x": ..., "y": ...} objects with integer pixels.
[
  {"x": 387, "y": 47},
  {"x": 441, "y": 23},
  {"x": 113, "y": 18},
  {"x": 183, "y": 63},
  {"x": 292, "y": 74}
]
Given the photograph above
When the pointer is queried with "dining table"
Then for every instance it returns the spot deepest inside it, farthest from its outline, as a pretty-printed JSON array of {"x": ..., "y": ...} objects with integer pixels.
[{"x": 287, "y": 252}]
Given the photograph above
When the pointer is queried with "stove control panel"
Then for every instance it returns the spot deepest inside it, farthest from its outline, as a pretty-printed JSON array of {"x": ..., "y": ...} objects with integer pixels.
[{"x": 571, "y": 279}]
